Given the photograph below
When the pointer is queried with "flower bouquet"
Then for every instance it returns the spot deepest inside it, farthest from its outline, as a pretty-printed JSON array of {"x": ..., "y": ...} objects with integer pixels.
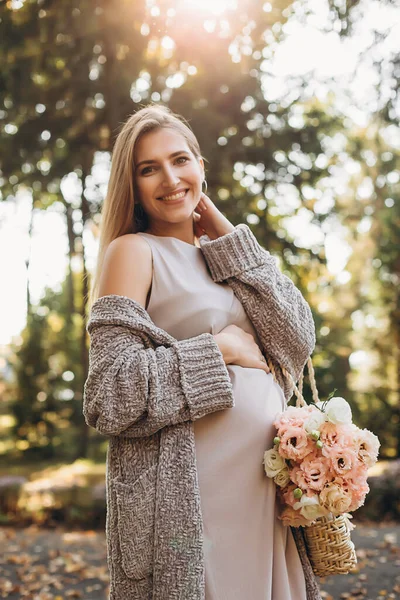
[{"x": 319, "y": 463}]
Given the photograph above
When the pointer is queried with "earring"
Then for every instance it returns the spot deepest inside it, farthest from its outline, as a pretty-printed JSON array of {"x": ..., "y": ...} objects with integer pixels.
[{"x": 205, "y": 184}]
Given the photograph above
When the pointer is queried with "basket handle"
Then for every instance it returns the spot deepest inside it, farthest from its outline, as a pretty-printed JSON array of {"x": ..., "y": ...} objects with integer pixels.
[{"x": 298, "y": 390}]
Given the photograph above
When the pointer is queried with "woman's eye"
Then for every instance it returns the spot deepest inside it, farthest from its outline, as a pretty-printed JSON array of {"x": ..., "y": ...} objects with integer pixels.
[
  {"x": 146, "y": 170},
  {"x": 182, "y": 158}
]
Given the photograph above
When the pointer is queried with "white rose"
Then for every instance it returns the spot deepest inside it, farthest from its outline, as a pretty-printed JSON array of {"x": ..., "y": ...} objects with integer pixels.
[
  {"x": 282, "y": 478},
  {"x": 335, "y": 499},
  {"x": 314, "y": 421},
  {"x": 273, "y": 462},
  {"x": 310, "y": 507},
  {"x": 338, "y": 411}
]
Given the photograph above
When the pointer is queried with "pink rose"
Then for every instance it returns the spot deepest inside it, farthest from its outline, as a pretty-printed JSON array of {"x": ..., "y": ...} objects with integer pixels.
[
  {"x": 358, "y": 497},
  {"x": 356, "y": 476},
  {"x": 292, "y": 416},
  {"x": 358, "y": 494},
  {"x": 292, "y": 517},
  {"x": 347, "y": 435},
  {"x": 342, "y": 460},
  {"x": 287, "y": 494},
  {"x": 295, "y": 443},
  {"x": 355, "y": 481},
  {"x": 312, "y": 473},
  {"x": 336, "y": 434},
  {"x": 367, "y": 445}
]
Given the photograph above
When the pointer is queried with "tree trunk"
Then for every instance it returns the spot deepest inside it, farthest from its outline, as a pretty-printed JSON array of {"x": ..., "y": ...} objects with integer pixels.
[
  {"x": 83, "y": 446},
  {"x": 71, "y": 251},
  {"x": 27, "y": 263},
  {"x": 111, "y": 73},
  {"x": 396, "y": 324}
]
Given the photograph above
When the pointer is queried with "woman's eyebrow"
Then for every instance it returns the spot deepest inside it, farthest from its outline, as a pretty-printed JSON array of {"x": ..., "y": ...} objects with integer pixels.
[{"x": 149, "y": 162}]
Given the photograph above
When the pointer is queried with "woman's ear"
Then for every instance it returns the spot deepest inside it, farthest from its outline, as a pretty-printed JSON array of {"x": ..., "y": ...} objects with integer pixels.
[{"x": 201, "y": 163}]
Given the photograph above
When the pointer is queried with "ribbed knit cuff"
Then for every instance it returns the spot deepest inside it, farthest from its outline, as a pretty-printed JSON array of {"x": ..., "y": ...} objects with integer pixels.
[
  {"x": 204, "y": 376},
  {"x": 233, "y": 253}
]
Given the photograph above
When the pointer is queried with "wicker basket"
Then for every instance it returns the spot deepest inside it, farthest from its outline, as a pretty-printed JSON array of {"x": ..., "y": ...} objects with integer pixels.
[
  {"x": 328, "y": 542},
  {"x": 329, "y": 546}
]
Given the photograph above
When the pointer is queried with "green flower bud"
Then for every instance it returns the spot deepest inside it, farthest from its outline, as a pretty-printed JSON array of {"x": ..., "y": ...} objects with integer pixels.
[
  {"x": 319, "y": 444},
  {"x": 277, "y": 440},
  {"x": 297, "y": 493},
  {"x": 315, "y": 434}
]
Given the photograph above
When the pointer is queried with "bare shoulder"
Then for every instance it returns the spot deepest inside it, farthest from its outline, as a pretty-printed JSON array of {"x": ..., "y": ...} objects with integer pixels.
[{"x": 127, "y": 268}]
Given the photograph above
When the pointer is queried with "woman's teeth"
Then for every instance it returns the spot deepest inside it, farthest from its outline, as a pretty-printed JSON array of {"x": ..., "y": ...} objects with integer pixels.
[{"x": 174, "y": 196}]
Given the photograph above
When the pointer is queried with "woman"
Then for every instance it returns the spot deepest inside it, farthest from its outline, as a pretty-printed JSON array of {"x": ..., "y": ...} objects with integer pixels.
[{"x": 185, "y": 307}]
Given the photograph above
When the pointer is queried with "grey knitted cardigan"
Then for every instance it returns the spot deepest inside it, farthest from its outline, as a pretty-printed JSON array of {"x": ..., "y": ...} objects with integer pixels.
[{"x": 145, "y": 389}]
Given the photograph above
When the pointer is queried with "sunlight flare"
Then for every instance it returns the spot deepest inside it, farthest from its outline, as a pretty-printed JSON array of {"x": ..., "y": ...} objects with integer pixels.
[{"x": 216, "y": 7}]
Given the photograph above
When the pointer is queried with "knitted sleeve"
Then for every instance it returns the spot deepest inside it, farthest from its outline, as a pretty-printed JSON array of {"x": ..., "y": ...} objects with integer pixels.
[
  {"x": 280, "y": 315},
  {"x": 134, "y": 391}
]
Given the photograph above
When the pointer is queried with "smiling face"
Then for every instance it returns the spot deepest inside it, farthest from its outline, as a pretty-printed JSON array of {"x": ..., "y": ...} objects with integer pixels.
[{"x": 168, "y": 179}]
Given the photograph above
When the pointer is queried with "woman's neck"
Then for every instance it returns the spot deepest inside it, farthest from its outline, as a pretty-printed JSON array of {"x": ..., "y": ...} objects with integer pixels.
[{"x": 183, "y": 233}]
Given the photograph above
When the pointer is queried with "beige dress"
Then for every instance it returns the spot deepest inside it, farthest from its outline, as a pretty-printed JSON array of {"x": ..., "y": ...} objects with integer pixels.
[{"x": 249, "y": 554}]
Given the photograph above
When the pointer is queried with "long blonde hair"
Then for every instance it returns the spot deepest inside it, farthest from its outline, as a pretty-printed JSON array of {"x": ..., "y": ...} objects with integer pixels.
[{"x": 120, "y": 211}]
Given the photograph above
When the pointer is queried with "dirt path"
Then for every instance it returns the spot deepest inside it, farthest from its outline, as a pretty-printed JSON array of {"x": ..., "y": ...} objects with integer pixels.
[
  {"x": 40, "y": 564},
  {"x": 52, "y": 564}
]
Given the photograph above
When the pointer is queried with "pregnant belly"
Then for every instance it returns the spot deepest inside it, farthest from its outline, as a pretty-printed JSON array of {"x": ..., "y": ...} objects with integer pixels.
[
  {"x": 230, "y": 446},
  {"x": 258, "y": 398},
  {"x": 240, "y": 435}
]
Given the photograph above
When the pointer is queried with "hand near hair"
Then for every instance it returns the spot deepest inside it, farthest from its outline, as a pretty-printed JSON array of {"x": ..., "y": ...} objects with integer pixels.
[{"x": 209, "y": 220}]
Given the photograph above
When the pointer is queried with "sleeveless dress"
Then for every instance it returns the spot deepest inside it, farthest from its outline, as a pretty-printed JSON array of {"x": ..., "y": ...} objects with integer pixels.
[{"x": 248, "y": 553}]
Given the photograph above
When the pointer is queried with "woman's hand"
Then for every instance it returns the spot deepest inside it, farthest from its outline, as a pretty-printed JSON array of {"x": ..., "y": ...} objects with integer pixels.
[
  {"x": 209, "y": 220},
  {"x": 239, "y": 348}
]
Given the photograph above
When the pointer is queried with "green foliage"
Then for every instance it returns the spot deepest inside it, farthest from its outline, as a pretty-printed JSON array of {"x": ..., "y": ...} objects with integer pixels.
[{"x": 47, "y": 401}]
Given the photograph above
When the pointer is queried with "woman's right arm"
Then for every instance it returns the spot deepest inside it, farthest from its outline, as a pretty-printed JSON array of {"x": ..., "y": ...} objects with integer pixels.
[{"x": 134, "y": 391}]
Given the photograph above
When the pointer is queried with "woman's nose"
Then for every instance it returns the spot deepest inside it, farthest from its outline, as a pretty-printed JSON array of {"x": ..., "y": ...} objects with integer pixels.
[{"x": 170, "y": 179}]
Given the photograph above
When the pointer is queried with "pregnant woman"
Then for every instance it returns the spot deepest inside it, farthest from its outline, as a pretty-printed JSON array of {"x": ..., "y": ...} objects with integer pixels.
[{"x": 186, "y": 307}]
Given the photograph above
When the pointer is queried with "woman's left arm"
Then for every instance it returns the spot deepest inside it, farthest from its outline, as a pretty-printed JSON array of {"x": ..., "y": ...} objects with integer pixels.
[{"x": 281, "y": 316}]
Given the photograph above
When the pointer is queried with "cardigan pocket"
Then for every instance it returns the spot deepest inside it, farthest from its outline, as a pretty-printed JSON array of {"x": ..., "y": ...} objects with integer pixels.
[{"x": 136, "y": 519}]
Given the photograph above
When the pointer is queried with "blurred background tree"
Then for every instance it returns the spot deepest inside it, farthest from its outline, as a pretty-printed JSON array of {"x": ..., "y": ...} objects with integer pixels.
[{"x": 302, "y": 156}]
